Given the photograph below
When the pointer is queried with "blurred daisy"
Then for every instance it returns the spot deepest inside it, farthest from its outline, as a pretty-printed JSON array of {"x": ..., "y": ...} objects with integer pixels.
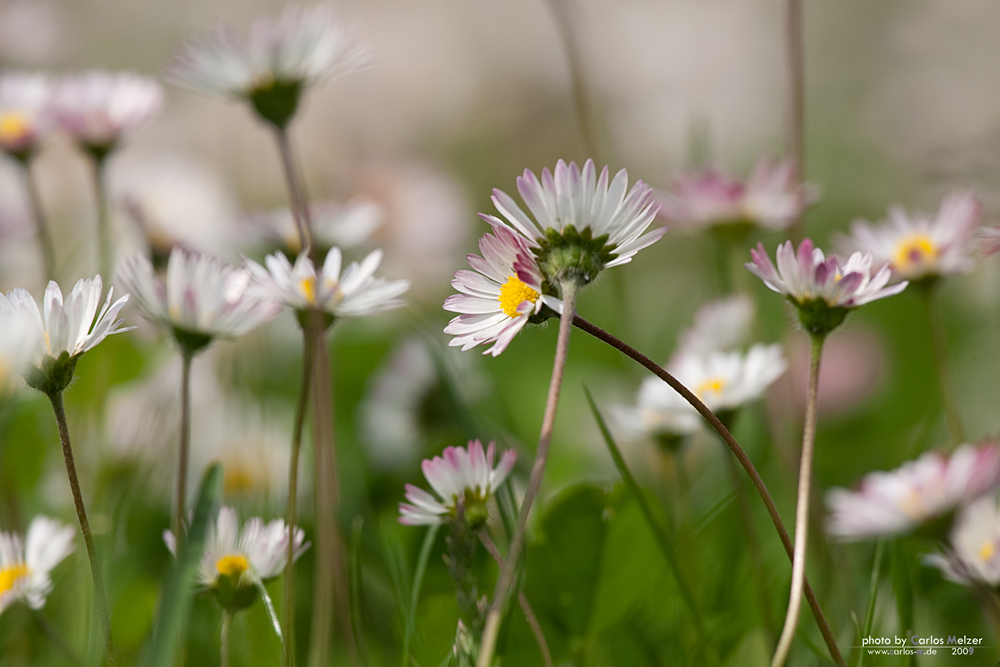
[
  {"x": 272, "y": 64},
  {"x": 771, "y": 198},
  {"x": 203, "y": 297},
  {"x": 660, "y": 413},
  {"x": 719, "y": 325},
  {"x": 353, "y": 293},
  {"x": 24, "y": 112},
  {"x": 345, "y": 225},
  {"x": 25, "y": 564},
  {"x": 974, "y": 554},
  {"x": 582, "y": 223},
  {"x": 727, "y": 380},
  {"x": 98, "y": 108},
  {"x": 919, "y": 247},
  {"x": 236, "y": 560},
  {"x": 989, "y": 240},
  {"x": 16, "y": 341},
  {"x": 897, "y": 502},
  {"x": 465, "y": 475}
]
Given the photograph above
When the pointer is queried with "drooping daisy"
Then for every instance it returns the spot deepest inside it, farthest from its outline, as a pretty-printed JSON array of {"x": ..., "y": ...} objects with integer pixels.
[
  {"x": 582, "y": 223},
  {"x": 916, "y": 246},
  {"x": 235, "y": 559},
  {"x": 460, "y": 474},
  {"x": 98, "y": 109},
  {"x": 346, "y": 225},
  {"x": 24, "y": 112},
  {"x": 771, "y": 198},
  {"x": 25, "y": 564},
  {"x": 897, "y": 502},
  {"x": 822, "y": 288},
  {"x": 500, "y": 296},
  {"x": 974, "y": 553},
  {"x": 273, "y": 63},
  {"x": 203, "y": 297}
]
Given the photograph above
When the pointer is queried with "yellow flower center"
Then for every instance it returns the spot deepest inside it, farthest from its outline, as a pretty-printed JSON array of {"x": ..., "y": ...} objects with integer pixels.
[
  {"x": 10, "y": 575},
  {"x": 237, "y": 479},
  {"x": 513, "y": 294},
  {"x": 14, "y": 125},
  {"x": 308, "y": 288},
  {"x": 714, "y": 385},
  {"x": 913, "y": 251},
  {"x": 232, "y": 565},
  {"x": 986, "y": 551}
]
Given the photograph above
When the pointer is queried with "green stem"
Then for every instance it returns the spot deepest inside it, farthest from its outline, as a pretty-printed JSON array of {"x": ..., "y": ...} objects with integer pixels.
[
  {"x": 104, "y": 242},
  {"x": 41, "y": 225},
  {"x": 418, "y": 580},
  {"x": 227, "y": 622},
  {"x": 506, "y": 581},
  {"x": 183, "y": 448},
  {"x": 872, "y": 596},
  {"x": 88, "y": 538},
  {"x": 936, "y": 326}
]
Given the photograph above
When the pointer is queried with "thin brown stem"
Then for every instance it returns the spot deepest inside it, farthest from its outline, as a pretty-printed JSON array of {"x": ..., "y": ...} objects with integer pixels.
[
  {"x": 180, "y": 501},
  {"x": 581, "y": 93},
  {"x": 506, "y": 581},
  {"x": 801, "y": 508},
  {"x": 934, "y": 323},
  {"x": 296, "y": 193},
  {"x": 88, "y": 538},
  {"x": 41, "y": 224},
  {"x": 741, "y": 456},
  {"x": 529, "y": 613},
  {"x": 795, "y": 98}
]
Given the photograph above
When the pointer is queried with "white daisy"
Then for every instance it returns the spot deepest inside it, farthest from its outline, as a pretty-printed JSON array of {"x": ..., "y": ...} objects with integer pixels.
[
  {"x": 25, "y": 564},
  {"x": 719, "y": 325},
  {"x": 659, "y": 412},
  {"x": 896, "y": 502},
  {"x": 727, "y": 380},
  {"x": 24, "y": 112},
  {"x": 575, "y": 210},
  {"x": 353, "y": 293},
  {"x": 465, "y": 474},
  {"x": 919, "y": 247},
  {"x": 974, "y": 554}
]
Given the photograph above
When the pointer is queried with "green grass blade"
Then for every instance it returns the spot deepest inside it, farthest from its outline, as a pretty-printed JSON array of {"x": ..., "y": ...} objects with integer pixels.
[
  {"x": 355, "y": 573},
  {"x": 872, "y": 595},
  {"x": 418, "y": 580}
]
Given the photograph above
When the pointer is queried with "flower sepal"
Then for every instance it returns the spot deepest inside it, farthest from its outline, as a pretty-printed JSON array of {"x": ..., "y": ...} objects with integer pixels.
[
  {"x": 305, "y": 318},
  {"x": 54, "y": 375},
  {"x": 573, "y": 256},
  {"x": 818, "y": 317},
  {"x": 191, "y": 342},
  {"x": 277, "y": 101},
  {"x": 234, "y": 591}
]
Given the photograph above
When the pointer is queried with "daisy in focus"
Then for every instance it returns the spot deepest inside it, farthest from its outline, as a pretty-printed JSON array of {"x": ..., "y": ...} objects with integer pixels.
[
  {"x": 974, "y": 556},
  {"x": 502, "y": 295},
  {"x": 25, "y": 563},
  {"x": 273, "y": 63},
  {"x": 463, "y": 476},
  {"x": 917, "y": 246},
  {"x": 918, "y": 492},
  {"x": 24, "y": 113},
  {"x": 583, "y": 223}
]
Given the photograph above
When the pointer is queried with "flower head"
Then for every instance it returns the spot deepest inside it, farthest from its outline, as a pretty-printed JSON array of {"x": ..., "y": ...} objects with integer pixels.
[
  {"x": 974, "y": 556},
  {"x": 500, "y": 296},
  {"x": 236, "y": 560},
  {"x": 896, "y": 502},
  {"x": 24, "y": 112},
  {"x": 25, "y": 565},
  {"x": 727, "y": 380},
  {"x": 582, "y": 222},
  {"x": 919, "y": 247},
  {"x": 822, "y": 288},
  {"x": 459, "y": 475},
  {"x": 99, "y": 108},
  {"x": 660, "y": 413},
  {"x": 203, "y": 297},
  {"x": 718, "y": 325},
  {"x": 272, "y": 64}
]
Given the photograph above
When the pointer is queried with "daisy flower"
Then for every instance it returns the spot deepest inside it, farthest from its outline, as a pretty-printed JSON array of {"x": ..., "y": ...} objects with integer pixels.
[
  {"x": 659, "y": 412},
  {"x": 582, "y": 223},
  {"x": 460, "y": 474},
  {"x": 897, "y": 502},
  {"x": 989, "y": 240},
  {"x": 24, "y": 112},
  {"x": 822, "y": 288},
  {"x": 500, "y": 296},
  {"x": 771, "y": 198},
  {"x": 353, "y": 293},
  {"x": 719, "y": 325},
  {"x": 916, "y": 246},
  {"x": 272, "y": 64},
  {"x": 236, "y": 560},
  {"x": 203, "y": 297},
  {"x": 99, "y": 108},
  {"x": 25, "y": 564},
  {"x": 727, "y": 380},
  {"x": 346, "y": 225},
  {"x": 974, "y": 557}
]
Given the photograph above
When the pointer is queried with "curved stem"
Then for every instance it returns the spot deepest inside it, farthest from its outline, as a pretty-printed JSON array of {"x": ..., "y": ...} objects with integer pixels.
[
  {"x": 185, "y": 445},
  {"x": 795, "y": 98},
  {"x": 296, "y": 193},
  {"x": 88, "y": 538},
  {"x": 738, "y": 452},
  {"x": 951, "y": 411},
  {"x": 41, "y": 225},
  {"x": 506, "y": 581},
  {"x": 227, "y": 622},
  {"x": 801, "y": 508},
  {"x": 309, "y": 345}
]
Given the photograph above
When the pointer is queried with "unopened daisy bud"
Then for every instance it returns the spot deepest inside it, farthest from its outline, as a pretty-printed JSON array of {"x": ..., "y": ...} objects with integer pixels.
[
  {"x": 823, "y": 289},
  {"x": 25, "y": 563},
  {"x": 460, "y": 475},
  {"x": 582, "y": 223},
  {"x": 973, "y": 556},
  {"x": 24, "y": 113}
]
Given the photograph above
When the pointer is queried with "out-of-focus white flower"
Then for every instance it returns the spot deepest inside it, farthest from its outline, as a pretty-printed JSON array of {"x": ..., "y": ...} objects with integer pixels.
[
  {"x": 916, "y": 246},
  {"x": 203, "y": 297},
  {"x": 98, "y": 108},
  {"x": 727, "y": 380},
  {"x": 17, "y": 339},
  {"x": 460, "y": 474},
  {"x": 24, "y": 112},
  {"x": 345, "y": 225},
  {"x": 719, "y": 325},
  {"x": 896, "y": 502},
  {"x": 354, "y": 293},
  {"x": 659, "y": 412},
  {"x": 500, "y": 296},
  {"x": 974, "y": 556},
  {"x": 575, "y": 210},
  {"x": 25, "y": 565},
  {"x": 989, "y": 240},
  {"x": 771, "y": 198}
]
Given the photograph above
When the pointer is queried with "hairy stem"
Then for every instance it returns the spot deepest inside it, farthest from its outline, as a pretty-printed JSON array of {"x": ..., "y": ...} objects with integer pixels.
[
  {"x": 185, "y": 444},
  {"x": 936, "y": 327},
  {"x": 41, "y": 223},
  {"x": 795, "y": 98},
  {"x": 506, "y": 581},
  {"x": 88, "y": 538},
  {"x": 741, "y": 456}
]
